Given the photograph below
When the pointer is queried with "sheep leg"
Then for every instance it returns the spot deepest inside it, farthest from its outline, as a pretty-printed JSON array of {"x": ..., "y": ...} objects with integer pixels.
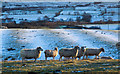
[
  {"x": 45, "y": 58},
  {"x": 72, "y": 58},
  {"x": 79, "y": 58},
  {"x": 75, "y": 58},
  {"x": 60, "y": 58},
  {"x": 53, "y": 58},
  {"x": 83, "y": 57},
  {"x": 96, "y": 57},
  {"x": 86, "y": 57},
  {"x": 35, "y": 60}
]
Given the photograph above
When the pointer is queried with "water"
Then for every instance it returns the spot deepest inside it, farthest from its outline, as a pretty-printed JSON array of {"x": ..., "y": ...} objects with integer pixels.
[
  {"x": 47, "y": 39},
  {"x": 106, "y": 26},
  {"x": 101, "y": 26}
]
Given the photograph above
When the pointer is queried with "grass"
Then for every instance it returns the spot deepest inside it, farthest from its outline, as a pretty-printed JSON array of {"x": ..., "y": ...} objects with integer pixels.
[{"x": 42, "y": 66}]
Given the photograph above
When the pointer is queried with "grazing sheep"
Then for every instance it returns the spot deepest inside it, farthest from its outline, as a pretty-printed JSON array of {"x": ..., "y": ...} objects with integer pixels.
[
  {"x": 118, "y": 45},
  {"x": 31, "y": 53},
  {"x": 92, "y": 52},
  {"x": 51, "y": 53},
  {"x": 80, "y": 52},
  {"x": 68, "y": 52}
]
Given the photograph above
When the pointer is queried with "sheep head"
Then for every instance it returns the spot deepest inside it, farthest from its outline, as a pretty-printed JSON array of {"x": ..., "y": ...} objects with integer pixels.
[
  {"x": 77, "y": 47},
  {"x": 56, "y": 49},
  {"x": 102, "y": 49},
  {"x": 83, "y": 48},
  {"x": 39, "y": 48}
]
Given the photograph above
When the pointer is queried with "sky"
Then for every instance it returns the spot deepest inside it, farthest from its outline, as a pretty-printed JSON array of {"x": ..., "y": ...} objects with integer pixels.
[{"x": 60, "y": 0}]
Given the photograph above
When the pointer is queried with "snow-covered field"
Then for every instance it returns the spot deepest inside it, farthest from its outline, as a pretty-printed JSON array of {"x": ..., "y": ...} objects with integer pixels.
[
  {"x": 61, "y": 38},
  {"x": 70, "y": 10}
]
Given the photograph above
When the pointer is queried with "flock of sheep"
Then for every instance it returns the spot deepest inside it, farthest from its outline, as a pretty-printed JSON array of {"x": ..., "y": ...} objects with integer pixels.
[{"x": 75, "y": 52}]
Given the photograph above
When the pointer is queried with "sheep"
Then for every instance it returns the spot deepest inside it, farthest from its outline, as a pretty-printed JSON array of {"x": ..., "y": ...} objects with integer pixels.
[
  {"x": 31, "y": 53},
  {"x": 68, "y": 52},
  {"x": 80, "y": 52},
  {"x": 51, "y": 53},
  {"x": 118, "y": 45},
  {"x": 92, "y": 52}
]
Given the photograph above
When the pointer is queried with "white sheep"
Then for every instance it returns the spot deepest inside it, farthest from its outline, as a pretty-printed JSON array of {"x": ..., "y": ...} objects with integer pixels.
[
  {"x": 92, "y": 52},
  {"x": 31, "y": 53},
  {"x": 68, "y": 52},
  {"x": 51, "y": 53},
  {"x": 80, "y": 52}
]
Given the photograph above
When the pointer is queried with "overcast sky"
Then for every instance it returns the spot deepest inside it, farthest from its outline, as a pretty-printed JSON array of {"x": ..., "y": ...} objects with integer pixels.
[{"x": 60, "y": 0}]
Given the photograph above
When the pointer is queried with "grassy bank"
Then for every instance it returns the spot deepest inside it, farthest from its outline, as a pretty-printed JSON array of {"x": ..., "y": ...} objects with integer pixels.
[{"x": 51, "y": 66}]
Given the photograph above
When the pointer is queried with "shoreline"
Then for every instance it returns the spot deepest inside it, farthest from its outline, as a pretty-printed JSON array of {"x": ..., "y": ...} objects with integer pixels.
[{"x": 52, "y": 25}]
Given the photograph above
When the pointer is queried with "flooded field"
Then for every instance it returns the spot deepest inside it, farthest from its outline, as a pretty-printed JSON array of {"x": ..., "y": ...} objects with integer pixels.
[
  {"x": 106, "y": 26},
  {"x": 95, "y": 26},
  {"x": 19, "y": 39}
]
